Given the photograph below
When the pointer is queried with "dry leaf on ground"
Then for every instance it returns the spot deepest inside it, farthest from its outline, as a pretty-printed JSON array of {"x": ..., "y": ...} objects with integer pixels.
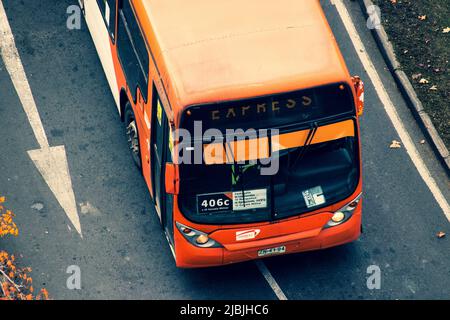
[{"x": 395, "y": 144}]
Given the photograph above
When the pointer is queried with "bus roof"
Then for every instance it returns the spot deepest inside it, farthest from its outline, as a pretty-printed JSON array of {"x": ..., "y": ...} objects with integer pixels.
[{"x": 214, "y": 50}]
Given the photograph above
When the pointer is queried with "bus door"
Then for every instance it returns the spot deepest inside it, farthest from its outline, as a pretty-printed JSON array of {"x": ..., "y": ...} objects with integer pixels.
[{"x": 161, "y": 153}]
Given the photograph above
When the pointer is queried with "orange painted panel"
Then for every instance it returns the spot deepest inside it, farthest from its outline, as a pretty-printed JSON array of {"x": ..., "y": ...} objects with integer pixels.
[{"x": 253, "y": 149}]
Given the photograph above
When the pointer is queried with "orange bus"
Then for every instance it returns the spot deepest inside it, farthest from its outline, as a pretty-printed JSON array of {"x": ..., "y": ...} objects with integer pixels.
[{"x": 243, "y": 119}]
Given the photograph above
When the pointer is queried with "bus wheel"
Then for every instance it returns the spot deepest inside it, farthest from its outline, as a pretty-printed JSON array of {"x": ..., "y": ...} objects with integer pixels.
[{"x": 133, "y": 135}]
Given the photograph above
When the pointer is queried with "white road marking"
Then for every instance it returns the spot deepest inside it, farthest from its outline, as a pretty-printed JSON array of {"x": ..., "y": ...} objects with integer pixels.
[
  {"x": 390, "y": 109},
  {"x": 50, "y": 161},
  {"x": 270, "y": 280}
]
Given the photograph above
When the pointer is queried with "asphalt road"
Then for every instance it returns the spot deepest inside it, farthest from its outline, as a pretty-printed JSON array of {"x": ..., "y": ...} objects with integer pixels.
[{"x": 124, "y": 254}]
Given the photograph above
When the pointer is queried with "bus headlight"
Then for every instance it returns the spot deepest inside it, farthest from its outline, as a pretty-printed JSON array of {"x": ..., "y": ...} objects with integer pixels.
[
  {"x": 202, "y": 239},
  {"x": 197, "y": 238},
  {"x": 338, "y": 217},
  {"x": 344, "y": 213}
]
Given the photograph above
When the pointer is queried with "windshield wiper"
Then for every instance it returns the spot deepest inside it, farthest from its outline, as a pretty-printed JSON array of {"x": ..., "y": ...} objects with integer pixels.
[
  {"x": 240, "y": 174},
  {"x": 312, "y": 132}
]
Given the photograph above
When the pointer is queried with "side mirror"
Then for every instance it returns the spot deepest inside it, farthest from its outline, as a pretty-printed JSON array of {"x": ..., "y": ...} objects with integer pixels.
[
  {"x": 171, "y": 179},
  {"x": 359, "y": 89}
]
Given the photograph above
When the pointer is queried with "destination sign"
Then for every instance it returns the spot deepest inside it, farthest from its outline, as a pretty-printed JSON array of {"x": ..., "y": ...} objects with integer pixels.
[{"x": 272, "y": 111}]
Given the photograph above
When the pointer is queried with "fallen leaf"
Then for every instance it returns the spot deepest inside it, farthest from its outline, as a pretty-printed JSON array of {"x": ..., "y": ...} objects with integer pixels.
[
  {"x": 446, "y": 30},
  {"x": 423, "y": 81},
  {"x": 440, "y": 234},
  {"x": 422, "y": 18},
  {"x": 416, "y": 76},
  {"x": 433, "y": 88},
  {"x": 395, "y": 144}
]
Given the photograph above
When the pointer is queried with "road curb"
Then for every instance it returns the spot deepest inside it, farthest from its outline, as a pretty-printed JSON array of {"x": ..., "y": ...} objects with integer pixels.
[{"x": 407, "y": 90}]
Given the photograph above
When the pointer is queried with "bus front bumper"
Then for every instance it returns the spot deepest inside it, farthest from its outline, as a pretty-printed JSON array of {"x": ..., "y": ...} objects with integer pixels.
[{"x": 189, "y": 256}]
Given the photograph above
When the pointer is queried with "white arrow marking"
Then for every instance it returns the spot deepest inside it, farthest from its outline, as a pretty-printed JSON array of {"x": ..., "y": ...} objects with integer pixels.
[
  {"x": 52, "y": 164},
  {"x": 50, "y": 161}
]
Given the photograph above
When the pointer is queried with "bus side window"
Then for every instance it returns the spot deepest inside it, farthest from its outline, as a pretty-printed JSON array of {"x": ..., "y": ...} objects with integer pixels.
[
  {"x": 133, "y": 53},
  {"x": 108, "y": 10}
]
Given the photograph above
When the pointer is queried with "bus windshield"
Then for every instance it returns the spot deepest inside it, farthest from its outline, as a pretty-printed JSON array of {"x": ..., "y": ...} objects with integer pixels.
[
  {"x": 308, "y": 178},
  {"x": 318, "y": 159}
]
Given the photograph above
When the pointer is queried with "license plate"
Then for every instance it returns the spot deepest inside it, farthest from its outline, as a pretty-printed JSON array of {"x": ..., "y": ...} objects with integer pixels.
[{"x": 270, "y": 251}]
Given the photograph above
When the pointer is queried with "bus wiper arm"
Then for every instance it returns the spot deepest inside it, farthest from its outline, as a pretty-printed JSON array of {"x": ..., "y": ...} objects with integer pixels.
[
  {"x": 239, "y": 176},
  {"x": 312, "y": 132}
]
